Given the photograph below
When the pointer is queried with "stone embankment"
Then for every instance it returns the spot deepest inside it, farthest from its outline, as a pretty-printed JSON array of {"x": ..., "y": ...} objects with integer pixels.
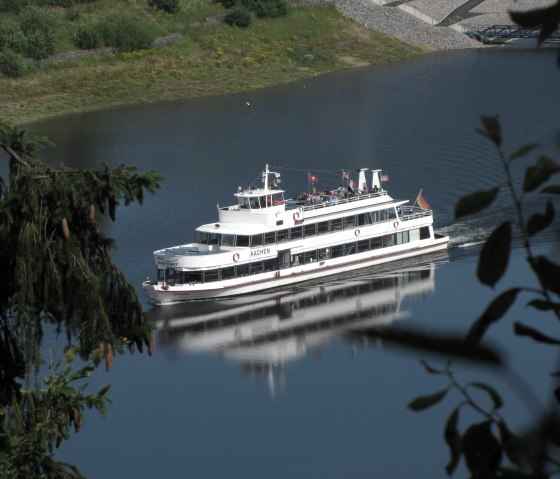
[{"x": 437, "y": 24}]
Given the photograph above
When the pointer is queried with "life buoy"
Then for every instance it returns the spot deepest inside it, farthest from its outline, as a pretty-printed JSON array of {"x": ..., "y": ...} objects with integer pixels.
[
  {"x": 165, "y": 286},
  {"x": 357, "y": 232},
  {"x": 396, "y": 224},
  {"x": 296, "y": 216},
  {"x": 236, "y": 257}
]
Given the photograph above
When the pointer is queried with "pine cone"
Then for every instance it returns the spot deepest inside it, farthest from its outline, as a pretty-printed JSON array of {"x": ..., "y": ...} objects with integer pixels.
[
  {"x": 91, "y": 213},
  {"x": 100, "y": 353},
  {"x": 65, "y": 228},
  {"x": 109, "y": 357},
  {"x": 77, "y": 419}
]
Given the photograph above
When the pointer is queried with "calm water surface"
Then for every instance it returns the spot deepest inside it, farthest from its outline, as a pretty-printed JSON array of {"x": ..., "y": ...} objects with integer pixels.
[{"x": 270, "y": 386}]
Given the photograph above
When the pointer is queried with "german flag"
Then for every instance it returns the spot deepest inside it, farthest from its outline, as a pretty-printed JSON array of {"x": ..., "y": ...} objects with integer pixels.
[{"x": 421, "y": 202}]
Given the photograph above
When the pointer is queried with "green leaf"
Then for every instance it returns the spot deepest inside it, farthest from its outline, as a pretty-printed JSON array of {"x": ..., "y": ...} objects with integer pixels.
[
  {"x": 475, "y": 202},
  {"x": 513, "y": 447},
  {"x": 537, "y": 174},
  {"x": 523, "y": 330},
  {"x": 523, "y": 151},
  {"x": 496, "y": 399},
  {"x": 453, "y": 440},
  {"x": 495, "y": 310},
  {"x": 104, "y": 390},
  {"x": 539, "y": 222},
  {"x": 444, "y": 344},
  {"x": 431, "y": 369},
  {"x": 494, "y": 257},
  {"x": 545, "y": 18},
  {"x": 424, "y": 402},
  {"x": 544, "y": 305},
  {"x": 481, "y": 450},
  {"x": 552, "y": 190},
  {"x": 548, "y": 273},
  {"x": 492, "y": 129}
]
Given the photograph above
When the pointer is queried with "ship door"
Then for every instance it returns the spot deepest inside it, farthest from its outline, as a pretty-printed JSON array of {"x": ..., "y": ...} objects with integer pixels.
[{"x": 284, "y": 259}]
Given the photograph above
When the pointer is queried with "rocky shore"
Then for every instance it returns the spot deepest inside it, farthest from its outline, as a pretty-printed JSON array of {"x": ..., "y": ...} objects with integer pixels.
[{"x": 436, "y": 24}]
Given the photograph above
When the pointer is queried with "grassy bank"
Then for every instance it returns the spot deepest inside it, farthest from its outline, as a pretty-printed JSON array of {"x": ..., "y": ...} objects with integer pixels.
[{"x": 207, "y": 60}]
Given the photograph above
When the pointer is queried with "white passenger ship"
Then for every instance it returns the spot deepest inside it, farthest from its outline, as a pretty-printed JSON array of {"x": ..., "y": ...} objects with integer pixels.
[{"x": 265, "y": 241}]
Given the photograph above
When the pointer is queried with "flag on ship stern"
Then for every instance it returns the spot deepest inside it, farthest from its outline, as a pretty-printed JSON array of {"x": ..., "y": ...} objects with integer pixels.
[
  {"x": 313, "y": 178},
  {"x": 421, "y": 201}
]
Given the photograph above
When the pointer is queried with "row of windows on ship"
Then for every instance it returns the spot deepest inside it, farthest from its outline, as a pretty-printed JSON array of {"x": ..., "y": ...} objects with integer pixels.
[
  {"x": 297, "y": 232},
  {"x": 287, "y": 260}
]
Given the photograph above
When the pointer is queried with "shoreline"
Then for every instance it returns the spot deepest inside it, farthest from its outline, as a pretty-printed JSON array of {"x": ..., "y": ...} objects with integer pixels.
[{"x": 160, "y": 74}]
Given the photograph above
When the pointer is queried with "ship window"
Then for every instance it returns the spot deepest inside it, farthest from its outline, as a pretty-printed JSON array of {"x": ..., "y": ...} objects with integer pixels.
[
  {"x": 201, "y": 237},
  {"x": 270, "y": 237},
  {"x": 242, "y": 241},
  {"x": 257, "y": 240},
  {"x": 269, "y": 264},
  {"x": 254, "y": 203},
  {"x": 383, "y": 215},
  {"x": 324, "y": 253},
  {"x": 392, "y": 213},
  {"x": 402, "y": 237},
  {"x": 297, "y": 259},
  {"x": 363, "y": 219},
  {"x": 256, "y": 267},
  {"x": 375, "y": 216},
  {"x": 262, "y": 201},
  {"x": 363, "y": 245},
  {"x": 211, "y": 275},
  {"x": 244, "y": 202},
  {"x": 193, "y": 277},
  {"x": 376, "y": 243},
  {"x": 242, "y": 269},
  {"x": 424, "y": 232},
  {"x": 227, "y": 240},
  {"x": 213, "y": 238},
  {"x": 282, "y": 236},
  {"x": 310, "y": 256},
  {"x": 160, "y": 275},
  {"x": 323, "y": 227},
  {"x": 296, "y": 233},
  {"x": 310, "y": 229},
  {"x": 336, "y": 225},
  {"x": 389, "y": 240},
  {"x": 228, "y": 273},
  {"x": 349, "y": 248},
  {"x": 338, "y": 251},
  {"x": 349, "y": 222},
  {"x": 170, "y": 276}
]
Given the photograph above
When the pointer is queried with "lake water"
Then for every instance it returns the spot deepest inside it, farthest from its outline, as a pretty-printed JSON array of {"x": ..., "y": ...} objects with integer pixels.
[{"x": 270, "y": 386}]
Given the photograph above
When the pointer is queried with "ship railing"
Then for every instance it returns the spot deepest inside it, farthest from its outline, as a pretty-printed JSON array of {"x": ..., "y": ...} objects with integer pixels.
[
  {"x": 412, "y": 212},
  {"x": 326, "y": 203},
  {"x": 181, "y": 251}
]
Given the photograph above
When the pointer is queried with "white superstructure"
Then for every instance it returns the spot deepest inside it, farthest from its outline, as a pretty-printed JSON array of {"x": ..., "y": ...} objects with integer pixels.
[{"x": 265, "y": 241}]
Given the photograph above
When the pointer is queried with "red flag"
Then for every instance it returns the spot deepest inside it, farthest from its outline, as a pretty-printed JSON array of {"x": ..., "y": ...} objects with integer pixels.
[
  {"x": 421, "y": 201},
  {"x": 345, "y": 174},
  {"x": 313, "y": 178}
]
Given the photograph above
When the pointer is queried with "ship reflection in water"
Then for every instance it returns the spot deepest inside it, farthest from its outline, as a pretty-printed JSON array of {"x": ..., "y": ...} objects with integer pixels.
[{"x": 265, "y": 331}]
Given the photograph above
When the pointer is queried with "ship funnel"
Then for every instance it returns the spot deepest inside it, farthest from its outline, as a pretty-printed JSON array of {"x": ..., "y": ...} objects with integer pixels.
[{"x": 362, "y": 182}]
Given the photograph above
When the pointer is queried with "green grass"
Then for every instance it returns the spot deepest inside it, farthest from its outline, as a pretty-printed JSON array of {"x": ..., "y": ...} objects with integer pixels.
[{"x": 209, "y": 60}]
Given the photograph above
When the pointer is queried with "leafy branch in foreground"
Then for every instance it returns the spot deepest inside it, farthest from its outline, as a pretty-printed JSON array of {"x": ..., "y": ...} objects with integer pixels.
[
  {"x": 485, "y": 445},
  {"x": 57, "y": 274},
  {"x": 42, "y": 417}
]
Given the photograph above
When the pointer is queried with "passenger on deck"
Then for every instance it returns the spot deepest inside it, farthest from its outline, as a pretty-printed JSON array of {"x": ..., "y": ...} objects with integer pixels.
[
  {"x": 350, "y": 190},
  {"x": 328, "y": 191},
  {"x": 375, "y": 189}
]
